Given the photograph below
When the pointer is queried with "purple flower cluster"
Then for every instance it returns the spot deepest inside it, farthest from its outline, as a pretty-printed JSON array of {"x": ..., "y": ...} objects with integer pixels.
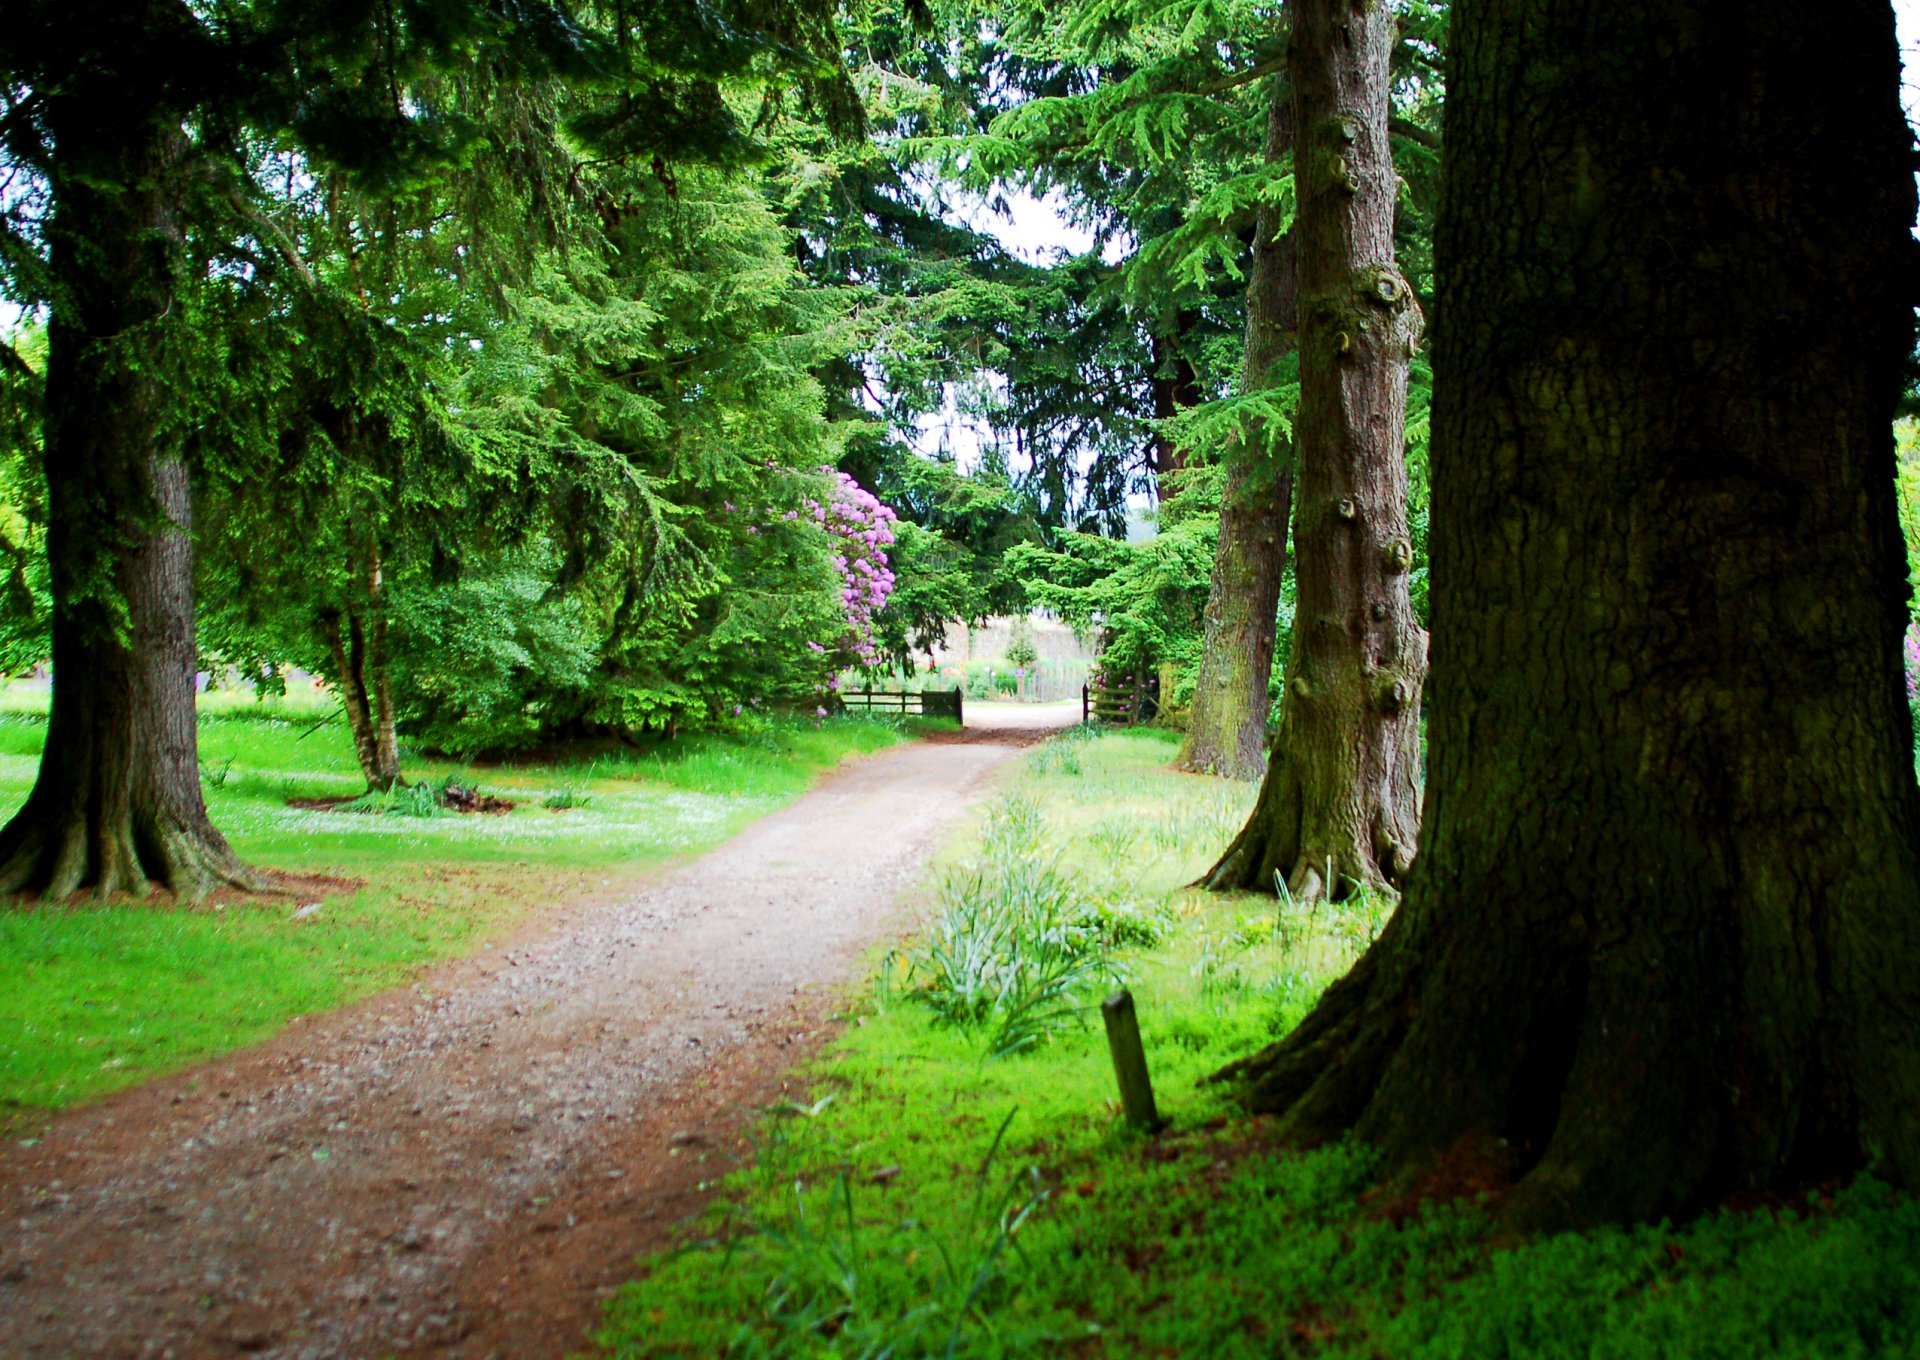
[
  {"x": 862, "y": 528},
  {"x": 1913, "y": 662}
]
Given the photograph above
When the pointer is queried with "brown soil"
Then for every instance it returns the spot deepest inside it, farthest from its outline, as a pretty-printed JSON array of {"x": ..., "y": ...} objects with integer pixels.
[{"x": 468, "y": 1166}]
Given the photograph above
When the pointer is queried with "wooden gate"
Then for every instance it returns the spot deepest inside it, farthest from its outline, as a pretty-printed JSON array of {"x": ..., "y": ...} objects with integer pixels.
[
  {"x": 1121, "y": 700},
  {"x": 933, "y": 703}
]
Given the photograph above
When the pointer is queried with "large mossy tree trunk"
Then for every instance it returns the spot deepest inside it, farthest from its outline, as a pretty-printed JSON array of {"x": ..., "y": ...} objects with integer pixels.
[
  {"x": 1663, "y": 942},
  {"x": 1340, "y": 806},
  {"x": 1227, "y": 723},
  {"x": 117, "y": 804}
]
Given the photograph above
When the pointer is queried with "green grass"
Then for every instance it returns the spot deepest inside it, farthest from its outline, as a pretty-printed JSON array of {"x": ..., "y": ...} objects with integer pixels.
[
  {"x": 94, "y": 997},
  {"x": 925, "y": 1199}
]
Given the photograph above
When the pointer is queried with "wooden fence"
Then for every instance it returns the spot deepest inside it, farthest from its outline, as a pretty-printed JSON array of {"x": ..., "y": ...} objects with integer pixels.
[
  {"x": 1120, "y": 701},
  {"x": 933, "y": 703}
]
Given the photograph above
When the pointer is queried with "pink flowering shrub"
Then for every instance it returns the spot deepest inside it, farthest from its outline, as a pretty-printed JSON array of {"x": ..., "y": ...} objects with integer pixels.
[{"x": 862, "y": 529}]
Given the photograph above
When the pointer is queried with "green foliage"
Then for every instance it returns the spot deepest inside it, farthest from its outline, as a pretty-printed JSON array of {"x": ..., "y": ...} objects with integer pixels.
[
  {"x": 25, "y": 587},
  {"x": 1907, "y": 487},
  {"x": 424, "y": 799},
  {"x": 1148, "y": 598},
  {"x": 1020, "y": 649},
  {"x": 481, "y": 663}
]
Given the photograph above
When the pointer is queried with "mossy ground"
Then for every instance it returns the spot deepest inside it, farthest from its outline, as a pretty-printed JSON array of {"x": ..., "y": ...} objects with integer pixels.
[
  {"x": 923, "y": 1200},
  {"x": 97, "y": 996}
]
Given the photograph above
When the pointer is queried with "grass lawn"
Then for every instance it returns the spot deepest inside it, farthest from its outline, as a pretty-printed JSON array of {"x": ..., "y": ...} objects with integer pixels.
[
  {"x": 94, "y": 997},
  {"x": 928, "y": 1198}
]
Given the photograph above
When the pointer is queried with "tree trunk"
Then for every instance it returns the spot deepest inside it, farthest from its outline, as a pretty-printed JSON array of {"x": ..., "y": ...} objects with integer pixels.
[
  {"x": 117, "y": 803},
  {"x": 1340, "y": 806},
  {"x": 1176, "y": 388},
  {"x": 360, "y": 669},
  {"x": 1227, "y": 724},
  {"x": 1664, "y": 939}
]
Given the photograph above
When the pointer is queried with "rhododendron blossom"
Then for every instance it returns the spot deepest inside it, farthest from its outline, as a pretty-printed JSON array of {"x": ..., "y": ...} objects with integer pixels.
[{"x": 863, "y": 528}]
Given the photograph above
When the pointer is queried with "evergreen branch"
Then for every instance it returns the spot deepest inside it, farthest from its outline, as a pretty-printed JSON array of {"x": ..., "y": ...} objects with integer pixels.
[
  {"x": 11, "y": 363},
  {"x": 272, "y": 235},
  {"x": 1259, "y": 70},
  {"x": 1413, "y": 132}
]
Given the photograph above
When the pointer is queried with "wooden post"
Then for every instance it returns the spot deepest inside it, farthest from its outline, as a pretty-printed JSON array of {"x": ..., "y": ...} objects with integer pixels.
[
  {"x": 1086, "y": 702},
  {"x": 1130, "y": 1061}
]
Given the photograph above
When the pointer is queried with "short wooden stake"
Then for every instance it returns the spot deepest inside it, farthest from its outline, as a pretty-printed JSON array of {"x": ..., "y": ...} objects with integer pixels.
[{"x": 1130, "y": 1061}]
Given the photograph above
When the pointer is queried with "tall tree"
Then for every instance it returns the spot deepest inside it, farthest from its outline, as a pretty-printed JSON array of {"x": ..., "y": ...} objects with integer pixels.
[
  {"x": 118, "y": 798},
  {"x": 1227, "y": 723},
  {"x": 1340, "y": 804},
  {"x": 133, "y": 123},
  {"x": 1662, "y": 942}
]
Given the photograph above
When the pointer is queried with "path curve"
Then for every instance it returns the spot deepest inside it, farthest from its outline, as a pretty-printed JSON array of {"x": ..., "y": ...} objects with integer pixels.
[{"x": 466, "y": 1166}]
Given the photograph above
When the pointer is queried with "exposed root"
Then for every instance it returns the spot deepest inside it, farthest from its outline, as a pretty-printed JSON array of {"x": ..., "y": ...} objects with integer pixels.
[
  {"x": 1275, "y": 854},
  {"x": 58, "y": 859},
  {"x": 195, "y": 866},
  {"x": 1210, "y": 758},
  {"x": 1319, "y": 1076}
]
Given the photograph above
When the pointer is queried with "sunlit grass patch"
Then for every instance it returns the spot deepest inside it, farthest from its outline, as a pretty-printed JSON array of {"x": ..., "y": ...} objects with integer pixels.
[
  {"x": 937, "y": 1194},
  {"x": 94, "y": 997}
]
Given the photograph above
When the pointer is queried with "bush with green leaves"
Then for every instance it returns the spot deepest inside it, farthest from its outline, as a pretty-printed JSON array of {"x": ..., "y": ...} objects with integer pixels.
[
  {"x": 487, "y": 663},
  {"x": 1146, "y": 600}
]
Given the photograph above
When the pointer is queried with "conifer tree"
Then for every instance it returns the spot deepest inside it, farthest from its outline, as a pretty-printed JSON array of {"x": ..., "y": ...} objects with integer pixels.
[
  {"x": 1660, "y": 943},
  {"x": 1227, "y": 721},
  {"x": 1339, "y": 808},
  {"x": 134, "y": 122}
]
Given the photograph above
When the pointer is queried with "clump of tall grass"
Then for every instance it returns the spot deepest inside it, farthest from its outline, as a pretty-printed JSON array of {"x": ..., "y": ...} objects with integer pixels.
[
  {"x": 1014, "y": 951},
  {"x": 1063, "y": 754},
  {"x": 424, "y": 799},
  {"x": 840, "y": 1280},
  {"x": 565, "y": 797}
]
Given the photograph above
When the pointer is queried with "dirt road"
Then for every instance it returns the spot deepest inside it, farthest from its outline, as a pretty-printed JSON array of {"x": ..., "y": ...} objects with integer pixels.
[{"x": 465, "y": 1167}]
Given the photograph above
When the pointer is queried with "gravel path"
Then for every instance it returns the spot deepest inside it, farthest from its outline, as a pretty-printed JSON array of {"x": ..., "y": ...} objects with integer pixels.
[{"x": 465, "y": 1167}]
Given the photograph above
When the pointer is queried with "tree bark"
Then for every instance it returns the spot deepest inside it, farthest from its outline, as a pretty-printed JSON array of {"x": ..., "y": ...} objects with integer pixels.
[
  {"x": 117, "y": 803},
  {"x": 1176, "y": 388},
  {"x": 1227, "y": 723},
  {"x": 1664, "y": 940},
  {"x": 1340, "y": 806},
  {"x": 360, "y": 669}
]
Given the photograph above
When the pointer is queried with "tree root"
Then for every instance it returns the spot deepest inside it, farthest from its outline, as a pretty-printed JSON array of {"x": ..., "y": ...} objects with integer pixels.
[
  {"x": 1276, "y": 853},
  {"x": 59, "y": 858}
]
